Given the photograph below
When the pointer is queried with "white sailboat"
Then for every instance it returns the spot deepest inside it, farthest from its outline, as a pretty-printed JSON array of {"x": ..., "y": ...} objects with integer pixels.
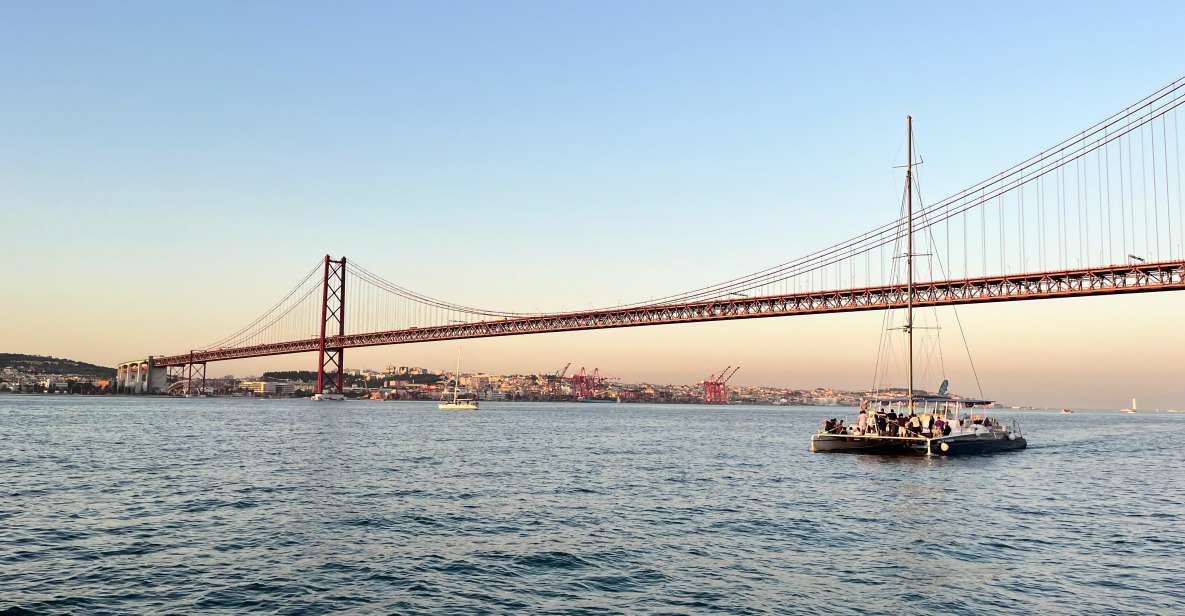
[
  {"x": 1132, "y": 409},
  {"x": 457, "y": 403}
]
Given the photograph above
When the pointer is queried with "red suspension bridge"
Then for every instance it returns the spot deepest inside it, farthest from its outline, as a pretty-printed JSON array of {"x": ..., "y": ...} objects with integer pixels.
[{"x": 1100, "y": 213}]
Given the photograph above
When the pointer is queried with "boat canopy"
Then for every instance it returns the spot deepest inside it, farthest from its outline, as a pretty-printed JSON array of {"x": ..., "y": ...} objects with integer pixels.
[{"x": 925, "y": 398}]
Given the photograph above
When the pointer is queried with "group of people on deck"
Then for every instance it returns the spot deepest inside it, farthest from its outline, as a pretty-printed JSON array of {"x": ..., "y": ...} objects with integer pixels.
[{"x": 887, "y": 422}]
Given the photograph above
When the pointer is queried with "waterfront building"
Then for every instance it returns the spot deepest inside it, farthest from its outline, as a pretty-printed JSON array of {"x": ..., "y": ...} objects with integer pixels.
[{"x": 268, "y": 388}]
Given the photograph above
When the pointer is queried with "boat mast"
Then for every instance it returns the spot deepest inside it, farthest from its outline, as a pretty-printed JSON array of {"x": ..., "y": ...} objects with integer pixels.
[
  {"x": 909, "y": 248},
  {"x": 457, "y": 378}
]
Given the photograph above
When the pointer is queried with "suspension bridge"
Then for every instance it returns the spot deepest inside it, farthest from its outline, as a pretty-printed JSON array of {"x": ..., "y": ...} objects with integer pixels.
[{"x": 1099, "y": 213}]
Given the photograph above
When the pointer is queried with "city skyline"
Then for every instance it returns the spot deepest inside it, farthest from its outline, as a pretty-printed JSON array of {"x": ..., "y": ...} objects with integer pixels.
[{"x": 572, "y": 186}]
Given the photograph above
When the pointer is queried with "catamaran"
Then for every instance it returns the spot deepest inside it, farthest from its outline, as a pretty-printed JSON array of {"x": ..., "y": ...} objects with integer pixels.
[
  {"x": 458, "y": 403},
  {"x": 918, "y": 422}
]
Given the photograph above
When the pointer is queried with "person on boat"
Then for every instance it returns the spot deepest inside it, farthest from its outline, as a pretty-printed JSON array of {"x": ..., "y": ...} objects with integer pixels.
[
  {"x": 862, "y": 419},
  {"x": 914, "y": 424}
]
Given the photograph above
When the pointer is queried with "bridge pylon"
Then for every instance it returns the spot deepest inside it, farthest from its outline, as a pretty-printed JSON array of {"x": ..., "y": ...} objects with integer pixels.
[
  {"x": 330, "y": 352},
  {"x": 195, "y": 369}
]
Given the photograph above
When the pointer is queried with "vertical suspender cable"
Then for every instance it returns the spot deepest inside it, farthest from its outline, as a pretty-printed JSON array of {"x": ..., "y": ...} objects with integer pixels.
[
  {"x": 1168, "y": 204},
  {"x": 1020, "y": 223},
  {"x": 1000, "y": 209},
  {"x": 1180, "y": 202},
  {"x": 1155, "y": 189},
  {"x": 1144, "y": 191},
  {"x": 1131, "y": 192},
  {"x": 1122, "y": 204},
  {"x": 1084, "y": 212},
  {"x": 1104, "y": 244}
]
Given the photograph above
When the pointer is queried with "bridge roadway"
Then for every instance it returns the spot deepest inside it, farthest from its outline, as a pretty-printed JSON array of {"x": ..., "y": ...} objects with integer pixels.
[{"x": 1110, "y": 280}]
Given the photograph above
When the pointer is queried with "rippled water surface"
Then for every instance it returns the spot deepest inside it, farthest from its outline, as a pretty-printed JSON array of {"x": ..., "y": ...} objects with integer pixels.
[{"x": 118, "y": 505}]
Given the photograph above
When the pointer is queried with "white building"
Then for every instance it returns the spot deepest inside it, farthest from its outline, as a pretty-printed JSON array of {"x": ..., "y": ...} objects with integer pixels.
[{"x": 268, "y": 388}]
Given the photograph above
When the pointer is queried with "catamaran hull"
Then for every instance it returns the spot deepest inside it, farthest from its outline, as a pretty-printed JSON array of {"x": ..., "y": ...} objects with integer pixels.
[
  {"x": 945, "y": 446},
  {"x": 962, "y": 446},
  {"x": 833, "y": 443}
]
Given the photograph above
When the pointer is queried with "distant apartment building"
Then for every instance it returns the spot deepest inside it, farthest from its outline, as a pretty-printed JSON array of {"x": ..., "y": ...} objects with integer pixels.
[
  {"x": 476, "y": 382},
  {"x": 268, "y": 388},
  {"x": 52, "y": 385},
  {"x": 403, "y": 371}
]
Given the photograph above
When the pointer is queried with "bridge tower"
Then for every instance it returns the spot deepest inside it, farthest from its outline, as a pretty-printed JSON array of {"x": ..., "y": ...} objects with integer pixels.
[
  {"x": 195, "y": 369},
  {"x": 333, "y": 325}
]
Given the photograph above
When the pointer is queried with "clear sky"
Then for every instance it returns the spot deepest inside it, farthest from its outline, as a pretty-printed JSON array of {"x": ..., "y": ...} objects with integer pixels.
[{"x": 168, "y": 169}]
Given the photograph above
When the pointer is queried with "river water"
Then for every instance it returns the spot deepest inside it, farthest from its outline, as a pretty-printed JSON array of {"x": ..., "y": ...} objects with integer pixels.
[{"x": 122, "y": 505}]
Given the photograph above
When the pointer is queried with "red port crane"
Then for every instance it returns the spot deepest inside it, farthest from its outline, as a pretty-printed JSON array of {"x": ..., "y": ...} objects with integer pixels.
[
  {"x": 586, "y": 384},
  {"x": 716, "y": 386}
]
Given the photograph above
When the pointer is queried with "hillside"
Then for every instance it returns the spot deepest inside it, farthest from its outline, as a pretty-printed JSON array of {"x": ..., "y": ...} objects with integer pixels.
[
  {"x": 309, "y": 376},
  {"x": 42, "y": 364}
]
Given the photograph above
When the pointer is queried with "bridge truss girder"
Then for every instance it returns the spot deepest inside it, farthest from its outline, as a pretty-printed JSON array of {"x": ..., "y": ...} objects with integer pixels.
[{"x": 1111, "y": 280}]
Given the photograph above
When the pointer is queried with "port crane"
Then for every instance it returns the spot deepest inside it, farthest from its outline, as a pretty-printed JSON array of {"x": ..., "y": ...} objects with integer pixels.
[
  {"x": 716, "y": 386},
  {"x": 586, "y": 384},
  {"x": 557, "y": 380}
]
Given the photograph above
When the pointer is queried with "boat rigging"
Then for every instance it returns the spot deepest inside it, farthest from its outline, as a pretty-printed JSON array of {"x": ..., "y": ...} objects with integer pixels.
[{"x": 947, "y": 424}]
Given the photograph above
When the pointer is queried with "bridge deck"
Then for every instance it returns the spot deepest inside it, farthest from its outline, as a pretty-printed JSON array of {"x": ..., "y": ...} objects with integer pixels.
[{"x": 1110, "y": 280}]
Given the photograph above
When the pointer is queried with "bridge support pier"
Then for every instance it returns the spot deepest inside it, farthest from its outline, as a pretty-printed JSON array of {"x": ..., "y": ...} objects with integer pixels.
[{"x": 141, "y": 377}]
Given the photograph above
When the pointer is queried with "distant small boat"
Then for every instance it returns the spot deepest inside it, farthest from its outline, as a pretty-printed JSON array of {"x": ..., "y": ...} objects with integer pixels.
[
  {"x": 329, "y": 396},
  {"x": 1133, "y": 408},
  {"x": 1067, "y": 412},
  {"x": 457, "y": 403},
  {"x": 460, "y": 405}
]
